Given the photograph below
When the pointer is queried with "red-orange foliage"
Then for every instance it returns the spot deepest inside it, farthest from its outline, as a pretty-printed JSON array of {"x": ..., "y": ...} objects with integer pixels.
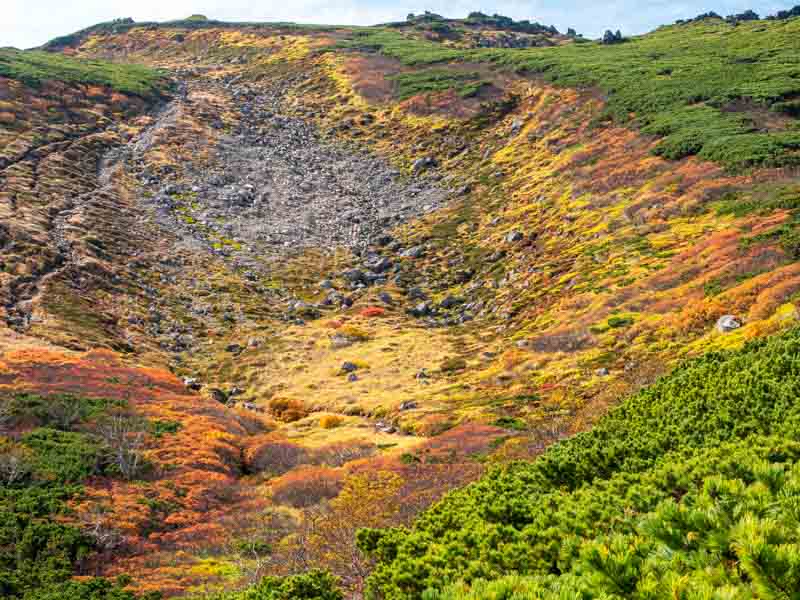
[
  {"x": 193, "y": 483},
  {"x": 287, "y": 410},
  {"x": 273, "y": 455},
  {"x": 308, "y": 486},
  {"x": 373, "y": 311}
]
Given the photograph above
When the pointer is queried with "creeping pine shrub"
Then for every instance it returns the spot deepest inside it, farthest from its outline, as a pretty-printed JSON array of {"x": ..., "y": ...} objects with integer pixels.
[
  {"x": 689, "y": 484},
  {"x": 314, "y": 585},
  {"x": 41, "y": 473}
]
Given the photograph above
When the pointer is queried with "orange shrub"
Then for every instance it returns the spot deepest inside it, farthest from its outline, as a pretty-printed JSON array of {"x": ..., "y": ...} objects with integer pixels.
[
  {"x": 330, "y": 421},
  {"x": 274, "y": 456},
  {"x": 307, "y": 487},
  {"x": 341, "y": 453},
  {"x": 373, "y": 311},
  {"x": 287, "y": 410}
]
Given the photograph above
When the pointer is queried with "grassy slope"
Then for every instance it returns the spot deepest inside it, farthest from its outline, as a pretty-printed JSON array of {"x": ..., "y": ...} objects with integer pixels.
[
  {"x": 533, "y": 518},
  {"x": 33, "y": 68},
  {"x": 674, "y": 82}
]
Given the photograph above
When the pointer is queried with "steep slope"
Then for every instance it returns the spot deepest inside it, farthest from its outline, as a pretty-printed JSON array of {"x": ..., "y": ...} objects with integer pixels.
[{"x": 383, "y": 259}]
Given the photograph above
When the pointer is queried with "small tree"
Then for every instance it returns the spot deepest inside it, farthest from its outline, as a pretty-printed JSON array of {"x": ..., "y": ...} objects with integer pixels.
[
  {"x": 98, "y": 524},
  {"x": 6, "y": 414},
  {"x": 14, "y": 462},
  {"x": 327, "y": 535},
  {"x": 124, "y": 436}
]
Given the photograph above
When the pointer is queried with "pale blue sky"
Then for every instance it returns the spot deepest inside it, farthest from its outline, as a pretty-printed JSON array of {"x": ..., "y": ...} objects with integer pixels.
[{"x": 27, "y": 23}]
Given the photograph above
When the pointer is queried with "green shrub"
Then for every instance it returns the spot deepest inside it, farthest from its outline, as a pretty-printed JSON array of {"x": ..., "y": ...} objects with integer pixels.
[
  {"x": 677, "y": 82},
  {"x": 59, "y": 411},
  {"x": 158, "y": 428},
  {"x": 63, "y": 456},
  {"x": 314, "y": 585},
  {"x": 35, "y": 67},
  {"x": 736, "y": 526},
  {"x": 665, "y": 442},
  {"x": 437, "y": 80}
]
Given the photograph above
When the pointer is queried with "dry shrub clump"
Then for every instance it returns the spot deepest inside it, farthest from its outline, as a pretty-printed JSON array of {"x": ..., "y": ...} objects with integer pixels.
[
  {"x": 274, "y": 456},
  {"x": 337, "y": 454},
  {"x": 330, "y": 421},
  {"x": 306, "y": 487},
  {"x": 287, "y": 410}
]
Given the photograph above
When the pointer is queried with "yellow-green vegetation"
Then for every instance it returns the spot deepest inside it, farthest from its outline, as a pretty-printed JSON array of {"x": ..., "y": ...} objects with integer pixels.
[
  {"x": 35, "y": 67},
  {"x": 436, "y": 80},
  {"x": 696, "y": 85}
]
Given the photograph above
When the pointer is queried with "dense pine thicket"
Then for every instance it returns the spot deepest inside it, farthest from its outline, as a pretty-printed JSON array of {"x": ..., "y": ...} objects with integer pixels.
[{"x": 690, "y": 486}]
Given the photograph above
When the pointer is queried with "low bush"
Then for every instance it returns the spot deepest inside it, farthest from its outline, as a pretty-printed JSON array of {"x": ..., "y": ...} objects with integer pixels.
[
  {"x": 453, "y": 364},
  {"x": 274, "y": 456},
  {"x": 287, "y": 410},
  {"x": 330, "y": 421},
  {"x": 306, "y": 487},
  {"x": 314, "y": 585},
  {"x": 34, "y": 68}
]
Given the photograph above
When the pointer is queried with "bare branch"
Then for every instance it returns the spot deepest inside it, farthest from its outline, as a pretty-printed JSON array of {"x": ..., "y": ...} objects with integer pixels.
[{"x": 124, "y": 434}]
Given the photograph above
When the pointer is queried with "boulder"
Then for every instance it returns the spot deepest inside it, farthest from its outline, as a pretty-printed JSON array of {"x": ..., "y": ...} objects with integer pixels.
[
  {"x": 192, "y": 383},
  {"x": 416, "y": 293},
  {"x": 380, "y": 266},
  {"x": 422, "y": 309},
  {"x": 413, "y": 252},
  {"x": 218, "y": 395},
  {"x": 728, "y": 323},
  {"x": 451, "y": 302},
  {"x": 354, "y": 275}
]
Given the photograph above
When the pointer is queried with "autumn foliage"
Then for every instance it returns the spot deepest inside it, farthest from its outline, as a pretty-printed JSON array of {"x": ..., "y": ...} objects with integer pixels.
[{"x": 307, "y": 487}]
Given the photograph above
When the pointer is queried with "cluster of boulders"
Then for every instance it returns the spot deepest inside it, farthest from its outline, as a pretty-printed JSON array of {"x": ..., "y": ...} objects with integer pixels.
[
  {"x": 613, "y": 37},
  {"x": 276, "y": 186}
]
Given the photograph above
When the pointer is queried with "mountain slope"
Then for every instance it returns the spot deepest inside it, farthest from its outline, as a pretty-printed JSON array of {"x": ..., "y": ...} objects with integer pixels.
[{"x": 383, "y": 260}]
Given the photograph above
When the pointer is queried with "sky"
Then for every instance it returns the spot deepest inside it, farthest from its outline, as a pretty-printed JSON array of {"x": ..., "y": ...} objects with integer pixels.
[{"x": 28, "y": 23}]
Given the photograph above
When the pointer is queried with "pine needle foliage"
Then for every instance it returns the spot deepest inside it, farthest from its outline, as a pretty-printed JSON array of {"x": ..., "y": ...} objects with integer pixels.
[{"x": 690, "y": 485}]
